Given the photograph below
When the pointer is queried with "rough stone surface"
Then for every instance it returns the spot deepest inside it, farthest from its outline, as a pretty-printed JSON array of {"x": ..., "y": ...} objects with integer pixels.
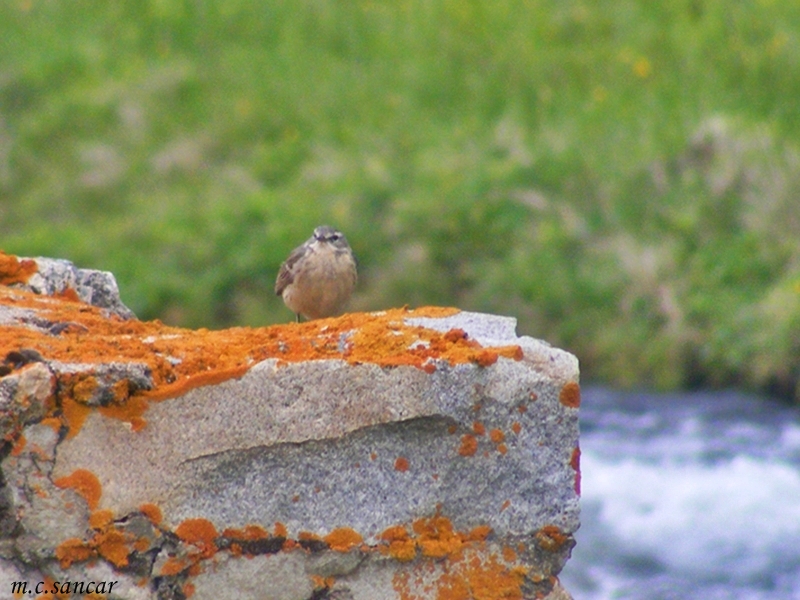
[
  {"x": 23, "y": 395},
  {"x": 447, "y": 475},
  {"x": 278, "y": 445},
  {"x": 98, "y": 288},
  {"x": 276, "y": 576}
]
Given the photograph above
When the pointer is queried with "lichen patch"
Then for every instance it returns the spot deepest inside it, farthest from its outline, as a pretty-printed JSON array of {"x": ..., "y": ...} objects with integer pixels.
[{"x": 177, "y": 360}]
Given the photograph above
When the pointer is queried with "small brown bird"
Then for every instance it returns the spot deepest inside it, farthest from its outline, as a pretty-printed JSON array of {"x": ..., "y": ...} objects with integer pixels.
[{"x": 318, "y": 277}]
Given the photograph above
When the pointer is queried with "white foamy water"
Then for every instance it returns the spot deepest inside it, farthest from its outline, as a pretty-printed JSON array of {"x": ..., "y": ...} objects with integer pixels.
[{"x": 687, "y": 496}]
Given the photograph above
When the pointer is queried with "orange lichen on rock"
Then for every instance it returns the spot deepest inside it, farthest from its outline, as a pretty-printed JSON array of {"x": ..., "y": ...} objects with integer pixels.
[
  {"x": 19, "y": 445},
  {"x": 401, "y": 464},
  {"x": 343, "y": 539},
  {"x": 113, "y": 546},
  {"x": 471, "y": 577},
  {"x": 516, "y": 427},
  {"x": 100, "y": 519},
  {"x": 308, "y": 536},
  {"x": 200, "y": 533},
  {"x": 109, "y": 543},
  {"x": 196, "y": 380},
  {"x": 85, "y": 484},
  {"x": 249, "y": 533},
  {"x": 570, "y": 395},
  {"x": 479, "y": 533},
  {"x": 491, "y": 579},
  {"x": 280, "y": 530},
  {"x": 478, "y": 428},
  {"x": 73, "y": 414},
  {"x": 469, "y": 445},
  {"x": 436, "y": 538},
  {"x": 433, "y": 537},
  {"x": 400, "y": 544},
  {"x": 174, "y": 565},
  {"x": 497, "y": 436},
  {"x": 384, "y": 339},
  {"x": 129, "y": 411},
  {"x": 142, "y": 544},
  {"x": 454, "y": 335},
  {"x": 485, "y": 358},
  {"x": 73, "y": 550},
  {"x": 13, "y": 270},
  {"x": 289, "y": 545},
  {"x": 179, "y": 360},
  {"x": 322, "y": 583},
  {"x": 551, "y": 538},
  {"x": 82, "y": 389},
  {"x": 152, "y": 512},
  {"x": 68, "y": 294},
  {"x": 427, "y": 538}
]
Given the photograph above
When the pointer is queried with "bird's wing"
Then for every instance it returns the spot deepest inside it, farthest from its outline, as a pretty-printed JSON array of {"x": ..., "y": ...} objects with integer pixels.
[{"x": 286, "y": 272}]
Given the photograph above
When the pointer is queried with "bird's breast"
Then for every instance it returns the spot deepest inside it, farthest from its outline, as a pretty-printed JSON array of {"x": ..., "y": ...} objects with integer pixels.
[{"x": 322, "y": 283}]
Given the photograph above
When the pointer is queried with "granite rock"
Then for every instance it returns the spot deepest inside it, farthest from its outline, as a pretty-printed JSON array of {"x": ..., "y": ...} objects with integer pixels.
[
  {"x": 402, "y": 454},
  {"x": 56, "y": 276}
]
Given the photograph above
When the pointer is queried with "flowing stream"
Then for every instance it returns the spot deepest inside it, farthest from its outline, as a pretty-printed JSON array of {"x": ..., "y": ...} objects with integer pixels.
[{"x": 687, "y": 496}]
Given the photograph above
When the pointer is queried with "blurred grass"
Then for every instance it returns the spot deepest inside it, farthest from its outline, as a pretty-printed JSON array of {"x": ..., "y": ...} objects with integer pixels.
[{"x": 624, "y": 177}]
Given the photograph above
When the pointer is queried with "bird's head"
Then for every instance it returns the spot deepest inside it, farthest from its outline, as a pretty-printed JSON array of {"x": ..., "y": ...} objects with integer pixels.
[{"x": 325, "y": 234}]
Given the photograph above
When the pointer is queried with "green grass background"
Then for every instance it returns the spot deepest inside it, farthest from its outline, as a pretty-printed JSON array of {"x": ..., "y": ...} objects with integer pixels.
[{"x": 621, "y": 175}]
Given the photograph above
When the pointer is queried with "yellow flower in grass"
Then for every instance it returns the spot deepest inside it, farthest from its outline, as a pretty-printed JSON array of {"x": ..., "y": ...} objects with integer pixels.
[{"x": 642, "y": 67}]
